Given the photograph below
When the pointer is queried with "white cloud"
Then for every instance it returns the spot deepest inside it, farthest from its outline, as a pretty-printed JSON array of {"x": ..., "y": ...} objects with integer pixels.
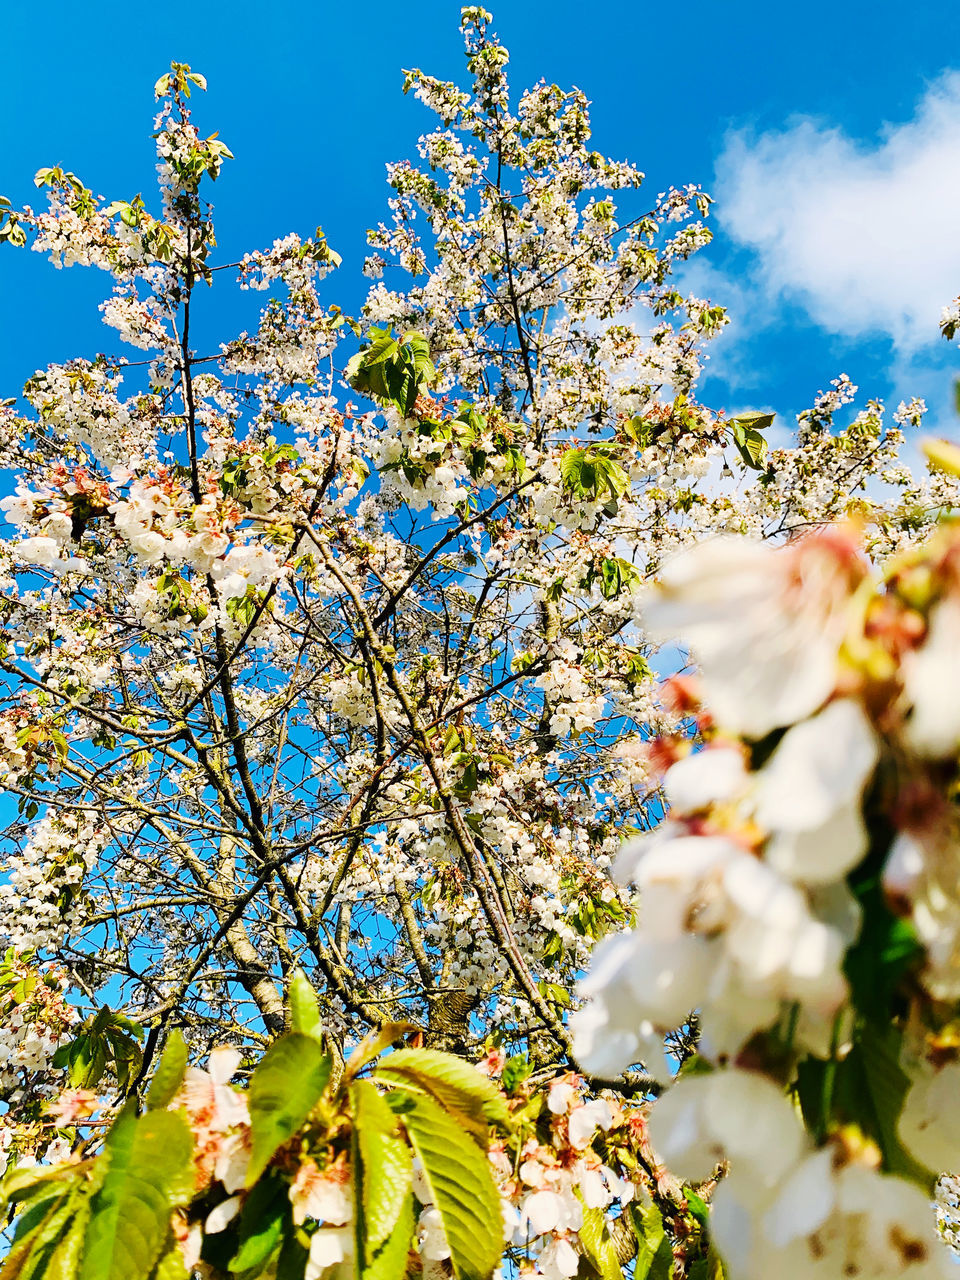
[{"x": 865, "y": 236}]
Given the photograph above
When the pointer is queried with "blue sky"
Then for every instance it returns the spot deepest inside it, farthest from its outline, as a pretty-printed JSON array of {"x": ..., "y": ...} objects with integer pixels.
[{"x": 828, "y": 132}]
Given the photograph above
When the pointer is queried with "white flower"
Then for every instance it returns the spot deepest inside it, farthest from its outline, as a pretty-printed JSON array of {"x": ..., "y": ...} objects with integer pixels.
[
  {"x": 820, "y": 1222},
  {"x": 324, "y": 1196},
  {"x": 931, "y": 686},
  {"x": 558, "y": 1260},
  {"x": 57, "y": 1152},
  {"x": 41, "y": 551},
  {"x": 727, "y": 1115},
  {"x": 704, "y": 778},
  {"x": 585, "y": 1120},
  {"x": 328, "y": 1246},
  {"x": 561, "y": 1094},
  {"x": 808, "y": 795},
  {"x": 777, "y": 943},
  {"x": 594, "y": 1189},
  {"x": 547, "y": 1210},
  {"x": 219, "y": 1219},
  {"x": 433, "y": 1238},
  {"x": 638, "y": 986},
  {"x": 764, "y": 625},
  {"x": 232, "y": 1160},
  {"x": 222, "y": 1064},
  {"x": 543, "y": 1211},
  {"x": 929, "y": 1124}
]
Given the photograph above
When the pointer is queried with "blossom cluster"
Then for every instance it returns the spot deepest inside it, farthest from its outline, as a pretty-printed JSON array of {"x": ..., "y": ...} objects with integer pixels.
[{"x": 815, "y": 824}]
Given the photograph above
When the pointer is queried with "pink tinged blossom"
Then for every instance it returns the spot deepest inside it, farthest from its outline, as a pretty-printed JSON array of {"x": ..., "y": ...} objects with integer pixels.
[
  {"x": 764, "y": 625},
  {"x": 74, "y": 1105},
  {"x": 325, "y": 1196},
  {"x": 562, "y": 1094}
]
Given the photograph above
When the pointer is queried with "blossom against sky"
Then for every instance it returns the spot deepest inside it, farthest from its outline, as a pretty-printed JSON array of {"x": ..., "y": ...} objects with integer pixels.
[{"x": 830, "y": 137}]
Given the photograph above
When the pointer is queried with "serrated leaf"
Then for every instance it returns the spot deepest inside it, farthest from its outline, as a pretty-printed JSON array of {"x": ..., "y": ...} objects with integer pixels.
[
  {"x": 461, "y": 1186},
  {"x": 385, "y": 1165},
  {"x": 168, "y": 1077},
  {"x": 457, "y": 1085},
  {"x": 599, "y": 1248},
  {"x": 304, "y": 1009},
  {"x": 40, "y": 1182},
  {"x": 284, "y": 1089},
  {"x": 149, "y": 1171},
  {"x": 571, "y": 470}
]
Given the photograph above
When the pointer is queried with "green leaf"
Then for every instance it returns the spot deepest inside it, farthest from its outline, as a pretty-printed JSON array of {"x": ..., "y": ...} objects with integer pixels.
[
  {"x": 598, "y": 1246},
  {"x": 515, "y": 1071},
  {"x": 169, "y": 1074},
  {"x": 265, "y": 1213},
  {"x": 695, "y": 1065},
  {"x": 392, "y": 369},
  {"x": 697, "y": 1206},
  {"x": 461, "y": 1186},
  {"x": 292, "y": 1262},
  {"x": 284, "y": 1089},
  {"x": 304, "y": 1009},
  {"x": 170, "y": 1265},
  {"x": 871, "y": 1087},
  {"x": 886, "y": 948},
  {"x": 457, "y": 1085},
  {"x": 708, "y": 1268},
  {"x": 33, "y": 1182},
  {"x": 148, "y": 1172},
  {"x": 66, "y": 1257},
  {"x": 571, "y": 470},
  {"x": 751, "y": 445},
  {"x": 48, "y": 1199},
  {"x": 46, "y": 1239},
  {"x": 755, "y": 421},
  {"x": 385, "y": 1166},
  {"x": 390, "y": 1261},
  {"x": 654, "y": 1252}
]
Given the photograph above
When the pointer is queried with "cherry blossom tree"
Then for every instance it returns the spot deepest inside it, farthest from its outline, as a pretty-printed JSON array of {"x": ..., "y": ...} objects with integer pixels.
[{"x": 332, "y": 689}]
